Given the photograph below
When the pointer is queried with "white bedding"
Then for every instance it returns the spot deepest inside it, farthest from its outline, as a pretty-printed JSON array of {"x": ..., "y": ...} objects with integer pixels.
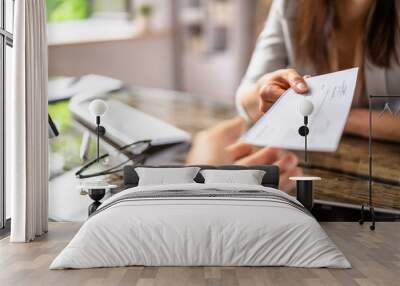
[{"x": 183, "y": 231}]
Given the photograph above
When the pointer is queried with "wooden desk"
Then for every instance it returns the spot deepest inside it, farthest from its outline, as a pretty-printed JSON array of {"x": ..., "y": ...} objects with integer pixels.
[{"x": 344, "y": 173}]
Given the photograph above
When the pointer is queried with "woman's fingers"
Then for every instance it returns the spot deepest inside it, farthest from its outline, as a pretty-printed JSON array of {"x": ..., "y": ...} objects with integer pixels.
[
  {"x": 287, "y": 162},
  {"x": 264, "y": 156},
  {"x": 273, "y": 85},
  {"x": 239, "y": 150},
  {"x": 269, "y": 94},
  {"x": 209, "y": 146},
  {"x": 288, "y": 168},
  {"x": 231, "y": 129},
  {"x": 227, "y": 132},
  {"x": 295, "y": 80},
  {"x": 285, "y": 184}
]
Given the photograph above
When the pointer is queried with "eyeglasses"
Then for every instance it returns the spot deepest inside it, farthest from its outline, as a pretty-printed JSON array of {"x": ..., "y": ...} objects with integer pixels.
[{"x": 111, "y": 163}]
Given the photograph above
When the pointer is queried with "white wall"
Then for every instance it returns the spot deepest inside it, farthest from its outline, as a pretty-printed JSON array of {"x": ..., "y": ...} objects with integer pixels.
[
  {"x": 143, "y": 61},
  {"x": 209, "y": 75},
  {"x": 161, "y": 18},
  {"x": 218, "y": 73}
]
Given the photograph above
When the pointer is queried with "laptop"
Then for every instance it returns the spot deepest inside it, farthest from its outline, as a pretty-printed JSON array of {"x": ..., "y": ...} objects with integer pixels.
[{"x": 125, "y": 124}]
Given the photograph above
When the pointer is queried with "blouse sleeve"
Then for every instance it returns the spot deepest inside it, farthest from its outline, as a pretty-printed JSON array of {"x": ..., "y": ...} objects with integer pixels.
[{"x": 269, "y": 54}]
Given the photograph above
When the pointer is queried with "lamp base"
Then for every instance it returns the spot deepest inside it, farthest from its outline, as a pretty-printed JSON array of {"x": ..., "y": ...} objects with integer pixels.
[{"x": 96, "y": 195}]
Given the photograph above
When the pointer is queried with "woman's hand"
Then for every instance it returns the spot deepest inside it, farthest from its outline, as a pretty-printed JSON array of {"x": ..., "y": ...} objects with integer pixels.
[
  {"x": 271, "y": 86},
  {"x": 220, "y": 146},
  {"x": 259, "y": 98}
]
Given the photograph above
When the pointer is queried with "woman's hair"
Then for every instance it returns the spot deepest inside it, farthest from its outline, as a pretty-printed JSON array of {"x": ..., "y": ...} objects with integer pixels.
[{"x": 317, "y": 20}]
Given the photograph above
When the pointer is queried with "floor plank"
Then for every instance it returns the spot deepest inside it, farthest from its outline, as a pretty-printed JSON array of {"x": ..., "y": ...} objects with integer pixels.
[{"x": 375, "y": 257}]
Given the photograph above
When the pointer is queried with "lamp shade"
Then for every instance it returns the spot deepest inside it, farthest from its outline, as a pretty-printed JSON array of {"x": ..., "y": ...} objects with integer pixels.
[
  {"x": 306, "y": 107},
  {"x": 98, "y": 107}
]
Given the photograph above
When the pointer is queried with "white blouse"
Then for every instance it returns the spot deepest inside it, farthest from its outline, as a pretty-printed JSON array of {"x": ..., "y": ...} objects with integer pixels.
[{"x": 275, "y": 50}]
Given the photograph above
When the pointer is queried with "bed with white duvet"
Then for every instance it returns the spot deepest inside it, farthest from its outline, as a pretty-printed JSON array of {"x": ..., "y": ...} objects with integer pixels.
[{"x": 194, "y": 224}]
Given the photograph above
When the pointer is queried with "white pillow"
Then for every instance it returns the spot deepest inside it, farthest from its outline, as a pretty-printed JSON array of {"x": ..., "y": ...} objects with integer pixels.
[
  {"x": 248, "y": 177},
  {"x": 164, "y": 176}
]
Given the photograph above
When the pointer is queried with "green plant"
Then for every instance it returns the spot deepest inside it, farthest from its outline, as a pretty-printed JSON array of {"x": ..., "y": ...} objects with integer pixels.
[
  {"x": 67, "y": 144},
  {"x": 62, "y": 10},
  {"x": 60, "y": 113},
  {"x": 146, "y": 10}
]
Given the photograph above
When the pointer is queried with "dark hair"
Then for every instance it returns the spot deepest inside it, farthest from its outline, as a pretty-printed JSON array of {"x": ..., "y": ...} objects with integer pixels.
[{"x": 317, "y": 20}]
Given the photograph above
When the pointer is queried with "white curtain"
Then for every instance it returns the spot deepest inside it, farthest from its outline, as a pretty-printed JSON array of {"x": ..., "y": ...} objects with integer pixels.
[{"x": 27, "y": 124}]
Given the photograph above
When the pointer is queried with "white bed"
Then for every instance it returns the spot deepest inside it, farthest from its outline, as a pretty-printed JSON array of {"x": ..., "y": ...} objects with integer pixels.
[{"x": 224, "y": 225}]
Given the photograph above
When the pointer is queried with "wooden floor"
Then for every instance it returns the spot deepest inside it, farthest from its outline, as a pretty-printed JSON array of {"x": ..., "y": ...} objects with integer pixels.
[{"x": 375, "y": 257}]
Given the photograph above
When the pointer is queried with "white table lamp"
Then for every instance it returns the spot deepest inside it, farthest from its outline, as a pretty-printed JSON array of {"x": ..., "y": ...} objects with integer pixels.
[
  {"x": 98, "y": 108},
  {"x": 306, "y": 108}
]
